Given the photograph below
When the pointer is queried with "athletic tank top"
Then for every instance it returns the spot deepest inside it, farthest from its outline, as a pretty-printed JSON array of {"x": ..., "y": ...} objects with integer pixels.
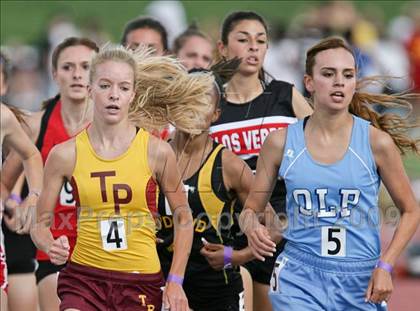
[
  {"x": 212, "y": 209},
  {"x": 117, "y": 201},
  {"x": 52, "y": 132},
  {"x": 332, "y": 209},
  {"x": 243, "y": 127}
]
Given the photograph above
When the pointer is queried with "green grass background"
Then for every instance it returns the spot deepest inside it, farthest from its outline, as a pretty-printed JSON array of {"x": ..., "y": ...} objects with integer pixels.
[
  {"x": 412, "y": 166},
  {"x": 26, "y": 20}
]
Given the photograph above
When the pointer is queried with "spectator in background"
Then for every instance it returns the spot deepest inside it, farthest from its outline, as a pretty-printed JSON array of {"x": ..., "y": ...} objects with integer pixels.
[
  {"x": 147, "y": 31},
  {"x": 92, "y": 28},
  {"x": 283, "y": 57},
  {"x": 413, "y": 49},
  {"x": 26, "y": 87},
  {"x": 194, "y": 48},
  {"x": 171, "y": 14}
]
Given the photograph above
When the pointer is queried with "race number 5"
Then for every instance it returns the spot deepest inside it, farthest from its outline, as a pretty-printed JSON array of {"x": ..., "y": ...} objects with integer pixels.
[
  {"x": 333, "y": 242},
  {"x": 113, "y": 234}
]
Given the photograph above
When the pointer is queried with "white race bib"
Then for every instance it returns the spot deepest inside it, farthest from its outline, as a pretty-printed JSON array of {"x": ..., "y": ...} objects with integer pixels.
[
  {"x": 66, "y": 195},
  {"x": 333, "y": 242},
  {"x": 168, "y": 210},
  {"x": 113, "y": 234},
  {"x": 242, "y": 301}
]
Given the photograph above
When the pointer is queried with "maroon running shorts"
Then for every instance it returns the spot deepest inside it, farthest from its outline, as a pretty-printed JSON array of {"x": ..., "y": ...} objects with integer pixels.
[{"x": 91, "y": 289}]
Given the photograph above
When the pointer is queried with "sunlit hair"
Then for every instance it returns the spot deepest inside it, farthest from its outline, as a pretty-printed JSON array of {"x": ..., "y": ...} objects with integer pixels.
[
  {"x": 164, "y": 91},
  {"x": 362, "y": 103},
  {"x": 115, "y": 53}
]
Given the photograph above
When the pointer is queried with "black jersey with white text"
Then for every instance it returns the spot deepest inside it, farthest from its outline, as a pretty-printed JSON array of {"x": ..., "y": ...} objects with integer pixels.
[{"x": 243, "y": 127}]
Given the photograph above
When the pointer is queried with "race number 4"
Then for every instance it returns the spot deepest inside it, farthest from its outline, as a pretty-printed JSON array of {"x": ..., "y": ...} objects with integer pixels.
[
  {"x": 333, "y": 242},
  {"x": 113, "y": 234}
]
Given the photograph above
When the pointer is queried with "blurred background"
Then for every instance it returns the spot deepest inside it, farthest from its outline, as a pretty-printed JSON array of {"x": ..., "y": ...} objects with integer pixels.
[{"x": 385, "y": 35}]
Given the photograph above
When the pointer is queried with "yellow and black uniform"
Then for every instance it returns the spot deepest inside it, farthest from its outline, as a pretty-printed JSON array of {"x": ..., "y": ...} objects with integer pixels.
[
  {"x": 212, "y": 209},
  {"x": 117, "y": 201}
]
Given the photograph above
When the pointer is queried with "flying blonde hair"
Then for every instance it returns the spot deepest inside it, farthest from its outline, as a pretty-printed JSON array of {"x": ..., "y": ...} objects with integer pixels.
[{"x": 164, "y": 91}]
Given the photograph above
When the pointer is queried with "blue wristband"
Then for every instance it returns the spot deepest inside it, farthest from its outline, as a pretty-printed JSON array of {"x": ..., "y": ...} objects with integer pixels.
[
  {"x": 227, "y": 257},
  {"x": 175, "y": 279},
  {"x": 385, "y": 266},
  {"x": 15, "y": 197}
]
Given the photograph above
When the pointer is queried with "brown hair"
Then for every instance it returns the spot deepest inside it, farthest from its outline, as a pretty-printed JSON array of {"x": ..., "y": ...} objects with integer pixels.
[
  {"x": 71, "y": 41},
  {"x": 234, "y": 18},
  {"x": 362, "y": 102},
  {"x": 191, "y": 31},
  {"x": 19, "y": 114},
  {"x": 146, "y": 23}
]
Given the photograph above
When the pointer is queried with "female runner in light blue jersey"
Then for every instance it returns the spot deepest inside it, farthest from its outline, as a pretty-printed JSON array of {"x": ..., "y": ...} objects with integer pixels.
[{"x": 332, "y": 164}]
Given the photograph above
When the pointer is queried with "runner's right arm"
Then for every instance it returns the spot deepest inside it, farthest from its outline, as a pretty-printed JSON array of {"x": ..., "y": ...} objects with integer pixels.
[{"x": 58, "y": 168}]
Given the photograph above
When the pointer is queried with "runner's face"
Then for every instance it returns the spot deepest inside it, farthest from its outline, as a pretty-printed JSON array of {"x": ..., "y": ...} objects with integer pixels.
[
  {"x": 146, "y": 36},
  {"x": 333, "y": 80},
  {"x": 248, "y": 41},
  {"x": 112, "y": 91},
  {"x": 72, "y": 73},
  {"x": 214, "y": 111},
  {"x": 196, "y": 53}
]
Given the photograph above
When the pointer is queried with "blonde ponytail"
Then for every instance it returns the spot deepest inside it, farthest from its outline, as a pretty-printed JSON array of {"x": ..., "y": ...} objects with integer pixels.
[{"x": 166, "y": 93}]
